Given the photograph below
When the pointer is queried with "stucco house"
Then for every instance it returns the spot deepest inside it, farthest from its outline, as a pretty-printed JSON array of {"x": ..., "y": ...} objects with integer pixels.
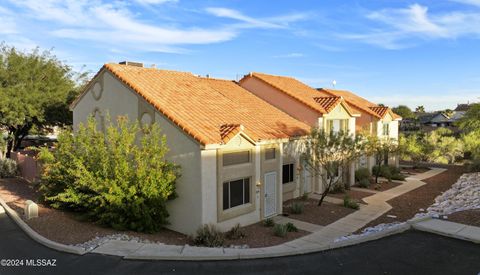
[
  {"x": 376, "y": 120},
  {"x": 313, "y": 107},
  {"x": 228, "y": 141}
]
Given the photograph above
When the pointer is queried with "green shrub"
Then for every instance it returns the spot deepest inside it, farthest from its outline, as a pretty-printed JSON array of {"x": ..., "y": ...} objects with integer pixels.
[
  {"x": 268, "y": 222},
  {"x": 364, "y": 183},
  {"x": 384, "y": 171},
  {"x": 362, "y": 173},
  {"x": 280, "y": 230},
  {"x": 8, "y": 168},
  {"x": 209, "y": 235},
  {"x": 117, "y": 177},
  {"x": 474, "y": 166},
  {"x": 236, "y": 233},
  {"x": 338, "y": 187},
  {"x": 398, "y": 177},
  {"x": 348, "y": 203},
  {"x": 304, "y": 197},
  {"x": 291, "y": 227},
  {"x": 297, "y": 207}
]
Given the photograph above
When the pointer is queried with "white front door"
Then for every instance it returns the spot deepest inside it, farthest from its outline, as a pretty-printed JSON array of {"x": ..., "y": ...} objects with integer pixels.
[
  {"x": 270, "y": 204},
  {"x": 307, "y": 181}
]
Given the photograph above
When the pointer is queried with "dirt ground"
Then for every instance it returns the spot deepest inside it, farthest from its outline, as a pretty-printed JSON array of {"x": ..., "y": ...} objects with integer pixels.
[
  {"x": 382, "y": 185},
  {"x": 312, "y": 213},
  {"x": 407, "y": 205},
  {"x": 353, "y": 194},
  {"x": 67, "y": 228},
  {"x": 468, "y": 217}
]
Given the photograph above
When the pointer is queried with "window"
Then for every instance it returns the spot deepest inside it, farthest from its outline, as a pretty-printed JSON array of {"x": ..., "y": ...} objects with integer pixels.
[
  {"x": 236, "y": 192},
  {"x": 386, "y": 129},
  {"x": 270, "y": 153},
  {"x": 236, "y": 158},
  {"x": 288, "y": 173},
  {"x": 337, "y": 125}
]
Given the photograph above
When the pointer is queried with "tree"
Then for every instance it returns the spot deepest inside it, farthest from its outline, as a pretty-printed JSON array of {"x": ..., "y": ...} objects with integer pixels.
[
  {"x": 325, "y": 154},
  {"x": 471, "y": 143},
  {"x": 420, "y": 109},
  {"x": 118, "y": 177},
  {"x": 471, "y": 120},
  {"x": 411, "y": 148},
  {"x": 36, "y": 89},
  {"x": 380, "y": 149},
  {"x": 404, "y": 112}
]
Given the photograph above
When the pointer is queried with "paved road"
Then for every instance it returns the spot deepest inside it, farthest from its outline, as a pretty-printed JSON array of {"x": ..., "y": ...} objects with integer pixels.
[{"x": 408, "y": 253}]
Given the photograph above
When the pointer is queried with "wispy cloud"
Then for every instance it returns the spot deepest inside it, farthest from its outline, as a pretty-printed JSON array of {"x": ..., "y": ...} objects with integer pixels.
[
  {"x": 289, "y": 55},
  {"x": 155, "y": 2},
  {"x": 399, "y": 26},
  {"x": 7, "y": 22},
  {"x": 250, "y": 22},
  {"x": 469, "y": 2}
]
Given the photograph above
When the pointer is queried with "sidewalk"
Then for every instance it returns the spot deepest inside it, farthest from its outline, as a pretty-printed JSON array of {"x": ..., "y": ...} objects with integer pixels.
[{"x": 450, "y": 229}]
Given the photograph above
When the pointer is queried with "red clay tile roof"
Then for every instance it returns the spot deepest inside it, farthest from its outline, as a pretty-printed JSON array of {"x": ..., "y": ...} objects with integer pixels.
[
  {"x": 299, "y": 91},
  {"x": 361, "y": 103},
  {"x": 328, "y": 103},
  {"x": 209, "y": 110}
]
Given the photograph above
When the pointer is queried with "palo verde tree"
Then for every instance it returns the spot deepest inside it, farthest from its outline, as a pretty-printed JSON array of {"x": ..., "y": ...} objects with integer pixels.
[
  {"x": 118, "y": 177},
  {"x": 326, "y": 153},
  {"x": 35, "y": 90},
  {"x": 380, "y": 148},
  {"x": 471, "y": 120}
]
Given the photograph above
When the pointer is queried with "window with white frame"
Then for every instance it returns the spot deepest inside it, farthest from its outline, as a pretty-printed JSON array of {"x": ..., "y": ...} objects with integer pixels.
[
  {"x": 288, "y": 173},
  {"x": 236, "y": 192},
  {"x": 337, "y": 125},
  {"x": 386, "y": 128}
]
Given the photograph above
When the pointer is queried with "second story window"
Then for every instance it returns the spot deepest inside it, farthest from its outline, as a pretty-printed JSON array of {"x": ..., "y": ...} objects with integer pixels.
[
  {"x": 337, "y": 125},
  {"x": 386, "y": 129},
  {"x": 270, "y": 153},
  {"x": 235, "y": 158},
  {"x": 288, "y": 173}
]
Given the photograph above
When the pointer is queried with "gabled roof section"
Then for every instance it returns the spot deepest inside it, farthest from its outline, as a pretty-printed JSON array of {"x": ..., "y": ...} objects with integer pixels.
[
  {"x": 209, "y": 110},
  {"x": 301, "y": 92},
  {"x": 362, "y": 104}
]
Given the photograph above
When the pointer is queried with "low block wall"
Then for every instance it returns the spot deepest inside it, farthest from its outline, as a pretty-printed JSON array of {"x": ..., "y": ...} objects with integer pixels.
[{"x": 28, "y": 165}]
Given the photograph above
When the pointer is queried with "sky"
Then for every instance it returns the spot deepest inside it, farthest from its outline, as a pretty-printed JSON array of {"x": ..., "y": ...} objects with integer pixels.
[{"x": 391, "y": 52}]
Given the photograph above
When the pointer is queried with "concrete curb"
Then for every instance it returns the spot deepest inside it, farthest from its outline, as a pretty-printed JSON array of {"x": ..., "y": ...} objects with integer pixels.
[
  {"x": 37, "y": 237},
  {"x": 452, "y": 230}
]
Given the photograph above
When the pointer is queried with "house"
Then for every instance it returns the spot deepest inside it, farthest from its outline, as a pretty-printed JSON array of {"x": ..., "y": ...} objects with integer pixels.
[
  {"x": 228, "y": 141},
  {"x": 313, "y": 107},
  {"x": 376, "y": 120},
  {"x": 434, "y": 119}
]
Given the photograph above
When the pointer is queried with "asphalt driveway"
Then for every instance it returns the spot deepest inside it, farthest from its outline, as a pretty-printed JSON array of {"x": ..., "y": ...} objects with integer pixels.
[{"x": 412, "y": 252}]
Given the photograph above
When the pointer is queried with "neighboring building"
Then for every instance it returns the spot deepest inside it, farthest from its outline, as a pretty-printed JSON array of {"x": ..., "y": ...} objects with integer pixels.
[
  {"x": 376, "y": 120},
  {"x": 229, "y": 142},
  {"x": 315, "y": 108}
]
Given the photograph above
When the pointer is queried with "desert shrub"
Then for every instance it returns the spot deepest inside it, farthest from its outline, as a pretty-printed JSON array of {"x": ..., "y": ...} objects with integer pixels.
[
  {"x": 117, "y": 177},
  {"x": 338, "y": 187},
  {"x": 280, "y": 230},
  {"x": 364, "y": 183},
  {"x": 291, "y": 227},
  {"x": 384, "y": 171},
  {"x": 362, "y": 173},
  {"x": 297, "y": 207},
  {"x": 398, "y": 177},
  {"x": 304, "y": 197},
  {"x": 349, "y": 203},
  {"x": 8, "y": 168},
  {"x": 268, "y": 222},
  {"x": 209, "y": 235},
  {"x": 474, "y": 166},
  {"x": 235, "y": 233}
]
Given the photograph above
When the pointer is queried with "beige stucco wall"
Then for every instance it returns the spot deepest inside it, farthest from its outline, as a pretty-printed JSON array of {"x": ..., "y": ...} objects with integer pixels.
[{"x": 280, "y": 100}]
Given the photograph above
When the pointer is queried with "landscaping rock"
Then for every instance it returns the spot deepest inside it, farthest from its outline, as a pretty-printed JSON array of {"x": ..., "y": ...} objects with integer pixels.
[
  {"x": 98, "y": 241},
  {"x": 370, "y": 230},
  {"x": 463, "y": 195}
]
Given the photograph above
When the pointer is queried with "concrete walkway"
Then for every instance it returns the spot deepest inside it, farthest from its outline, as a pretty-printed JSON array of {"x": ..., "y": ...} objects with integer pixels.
[{"x": 306, "y": 226}]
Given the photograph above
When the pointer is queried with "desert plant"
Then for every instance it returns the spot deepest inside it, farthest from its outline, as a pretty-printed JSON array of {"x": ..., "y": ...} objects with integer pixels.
[
  {"x": 337, "y": 188},
  {"x": 349, "y": 203},
  {"x": 280, "y": 230},
  {"x": 364, "y": 183},
  {"x": 382, "y": 171},
  {"x": 8, "y": 168},
  {"x": 398, "y": 176},
  {"x": 362, "y": 173},
  {"x": 235, "y": 233},
  {"x": 291, "y": 227},
  {"x": 209, "y": 235},
  {"x": 118, "y": 177},
  {"x": 304, "y": 197},
  {"x": 268, "y": 222},
  {"x": 297, "y": 207}
]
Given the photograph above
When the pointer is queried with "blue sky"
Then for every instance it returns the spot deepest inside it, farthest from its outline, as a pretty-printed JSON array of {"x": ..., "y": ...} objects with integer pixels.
[{"x": 393, "y": 52}]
